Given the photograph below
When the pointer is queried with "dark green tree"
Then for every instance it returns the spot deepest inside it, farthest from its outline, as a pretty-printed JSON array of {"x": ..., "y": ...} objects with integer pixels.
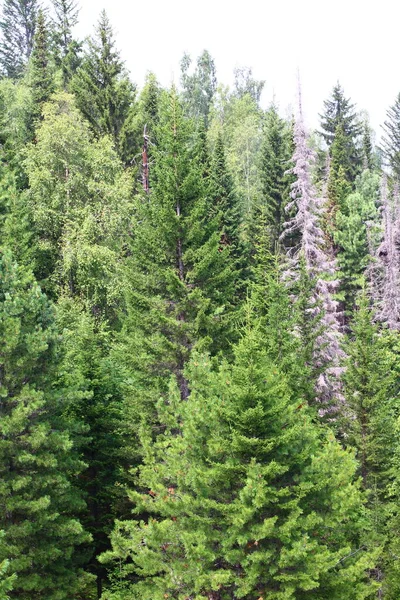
[
  {"x": 103, "y": 91},
  {"x": 181, "y": 284},
  {"x": 17, "y": 26},
  {"x": 369, "y": 425},
  {"x": 357, "y": 222},
  {"x": 275, "y": 155},
  {"x": 246, "y": 497},
  {"x": 66, "y": 14},
  {"x": 41, "y": 73},
  {"x": 339, "y": 112},
  {"x": 39, "y": 465},
  {"x": 199, "y": 88},
  {"x": 339, "y": 183},
  {"x": 391, "y": 139}
]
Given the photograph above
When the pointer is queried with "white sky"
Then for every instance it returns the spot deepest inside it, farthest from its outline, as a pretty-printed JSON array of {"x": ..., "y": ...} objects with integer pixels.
[{"x": 355, "y": 41}]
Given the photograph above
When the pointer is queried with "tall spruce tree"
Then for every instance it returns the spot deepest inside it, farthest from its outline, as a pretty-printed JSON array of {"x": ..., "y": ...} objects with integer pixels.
[
  {"x": 275, "y": 155},
  {"x": 66, "y": 14},
  {"x": 339, "y": 112},
  {"x": 391, "y": 138},
  {"x": 39, "y": 464},
  {"x": 103, "y": 91},
  {"x": 17, "y": 26},
  {"x": 246, "y": 498},
  {"x": 356, "y": 221},
  {"x": 180, "y": 282},
  {"x": 41, "y": 75}
]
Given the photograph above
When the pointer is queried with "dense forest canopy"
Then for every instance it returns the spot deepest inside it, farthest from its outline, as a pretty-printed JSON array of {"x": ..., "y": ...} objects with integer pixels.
[{"x": 199, "y": 331}]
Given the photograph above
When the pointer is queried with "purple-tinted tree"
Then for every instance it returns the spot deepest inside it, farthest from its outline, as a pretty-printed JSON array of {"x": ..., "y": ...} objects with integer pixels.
[
  {"x": 313, "y": 255},
  {"x": 387, "y": 294}
]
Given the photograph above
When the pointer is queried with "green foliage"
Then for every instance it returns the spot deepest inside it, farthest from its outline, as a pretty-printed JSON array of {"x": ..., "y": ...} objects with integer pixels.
[
  {"x": 356, "y": 221},
  {"x": 199, "y": 88},
  {"x": 246, "y": 498},
  {"x": 17, "y": 27},
  {"x": 40, "y": 75},
  {"x": 391, "y": 139},
  {"x": 39, "y": 465},
  {"x": 180, "y": 282},
  {"x": 103, "y": 91},
  {"x": 6, "y": 580},
  {"x": 340, "y": 113},
  {"x": 275, "y": 154},
  {"x": 339, "y": 185},
  {"x": 79, "y": 200},
  {"x": 66, "y": 48}
]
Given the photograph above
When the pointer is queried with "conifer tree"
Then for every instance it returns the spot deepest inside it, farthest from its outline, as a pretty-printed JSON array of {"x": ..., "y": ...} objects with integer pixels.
[
  {"x": 388, "y": 295},
  {"x": 391, "y": 139},
  {"x": 312, "y": 269},
  {"x": 39, "y": 465},
  {"x": 356, "y": 220},
  {"x": 339, "y": 112},
  {"x": 41, "y": 76},
  {"x": 339, "y": 185},
  {"x": 248, "y": 501},
  {"x": 6, "y": 580},
  {"x": 180, "y": 282},
  {"x": 369, "y": 422},
  {"x": 103, "y": 91},
  {"x": 275, "y": 154},
  {"x": 66, "y": 14},
  {"x": 17, "y": 25}
]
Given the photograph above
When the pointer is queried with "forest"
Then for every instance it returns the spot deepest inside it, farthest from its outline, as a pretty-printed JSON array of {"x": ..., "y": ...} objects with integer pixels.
[{"x": 199, "y": 331}]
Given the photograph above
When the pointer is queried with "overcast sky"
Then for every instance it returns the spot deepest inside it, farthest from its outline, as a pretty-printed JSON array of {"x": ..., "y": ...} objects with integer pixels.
[{"x": 353, "y": 41}]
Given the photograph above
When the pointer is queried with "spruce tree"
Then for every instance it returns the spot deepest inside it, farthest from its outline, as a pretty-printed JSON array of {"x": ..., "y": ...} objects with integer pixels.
[
  {"x": 339, "y": 185},
  {"x": 181, "y": 283},
  {"x": 245, "y": 497},
  {"x": 39, "y": 464},
  {"x": 103, "y": 91},
  {"x": 391, "y": 139},
  {"x": 369, "y": 425},
  {"x": 41, "y": 76},
  {"x": 356, "y": 221},
  {"x": 17, "y": 25},
  {"x": 339, "y": 112},
  {"x": 66, "y": 14},
  {"x": 275, "y": 154}
]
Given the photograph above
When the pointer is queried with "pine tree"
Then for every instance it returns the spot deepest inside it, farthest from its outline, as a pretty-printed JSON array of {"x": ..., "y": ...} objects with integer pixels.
[
  {"x": 391, "y": 139},
  {"x": 103, "y": 91},
  {"x": 39, "y": 465},
  {"x": 41, "y": 76},
  {"x": 245, "y": 498},
  {"x": 339, "y": 112},
  {"x": 276, "y": 152},
  {"x": 368, "y": 149},
  {"x": 17, "y": 25}
]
